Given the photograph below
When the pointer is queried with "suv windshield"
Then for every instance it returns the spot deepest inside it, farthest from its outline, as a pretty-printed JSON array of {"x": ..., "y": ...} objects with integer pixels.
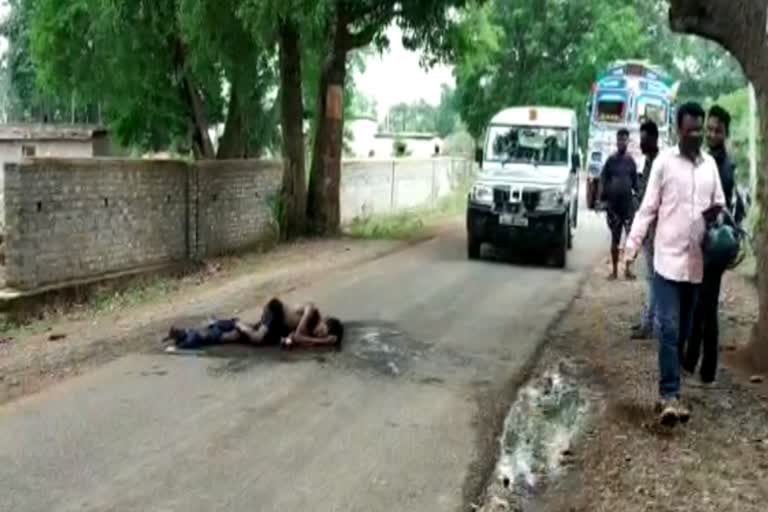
[{"x": 528, "y": 144}]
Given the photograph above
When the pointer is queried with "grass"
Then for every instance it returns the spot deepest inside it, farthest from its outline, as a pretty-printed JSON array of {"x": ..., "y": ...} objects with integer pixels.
[
  {"x": 409, "y": 224},
  {"x": 139, "y": 293},
  {"x": 104, "y": 299}
]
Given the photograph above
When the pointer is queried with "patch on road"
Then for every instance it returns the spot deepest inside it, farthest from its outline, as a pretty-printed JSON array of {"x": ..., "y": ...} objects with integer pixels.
[{"x": 382, "y": 347}]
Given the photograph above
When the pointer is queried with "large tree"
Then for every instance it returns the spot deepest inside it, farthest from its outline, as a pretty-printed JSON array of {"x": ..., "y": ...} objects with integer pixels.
[
  {"x": 351, "y": 25},
  {"x": 539, "y": 51},
  {"x": 165, "y": 70},
  {"x": 23, "y": 99},
  {"x": 740, "y": 27}
]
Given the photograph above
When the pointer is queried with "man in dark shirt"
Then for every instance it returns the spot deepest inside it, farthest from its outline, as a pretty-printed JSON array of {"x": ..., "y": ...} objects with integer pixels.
[
  {"x": 705, "y": 329},
  {"x": 619, "y": 185},
  {"x": 649, "y": 145}
]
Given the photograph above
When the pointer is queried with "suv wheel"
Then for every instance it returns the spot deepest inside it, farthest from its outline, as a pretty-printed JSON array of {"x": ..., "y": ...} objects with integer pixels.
[
  {"x": 561, "y": 252},
  {"x": 473, "y": 248}
]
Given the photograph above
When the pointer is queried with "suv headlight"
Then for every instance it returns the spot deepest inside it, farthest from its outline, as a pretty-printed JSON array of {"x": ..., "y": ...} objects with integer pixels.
[
  {"x": 482, "y": 194},
  {"x": 551, "y": 199}
]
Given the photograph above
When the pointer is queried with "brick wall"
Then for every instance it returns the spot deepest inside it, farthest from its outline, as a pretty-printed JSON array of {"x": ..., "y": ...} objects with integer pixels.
[
  {"x": 68, "y": 220},
  {"x": 235, "y": 200},
  {"x": 75, "y": 219}
]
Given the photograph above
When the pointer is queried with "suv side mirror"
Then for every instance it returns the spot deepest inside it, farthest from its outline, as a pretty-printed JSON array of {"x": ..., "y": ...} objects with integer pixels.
[{"x": 479, "y": 156}]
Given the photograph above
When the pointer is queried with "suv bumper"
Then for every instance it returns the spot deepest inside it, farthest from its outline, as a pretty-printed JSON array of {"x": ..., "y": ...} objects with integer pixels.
[{"x": 544, "y": 231}]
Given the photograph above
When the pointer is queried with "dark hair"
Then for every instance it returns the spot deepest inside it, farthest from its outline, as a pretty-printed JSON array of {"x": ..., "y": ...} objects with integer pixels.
[
  {"x": 650, "y": 128},
  {"x": 335, "y": 328},
  {"x": 622, "y": 133},
  {"x": 690, "y": 109},
  {"x": 723, "y": 116}
]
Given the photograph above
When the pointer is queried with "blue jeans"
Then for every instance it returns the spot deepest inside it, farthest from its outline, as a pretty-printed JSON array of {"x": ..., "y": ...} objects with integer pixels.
[
  {"x": 675, "y": 304},
  {"x": 648, "y": 319}
]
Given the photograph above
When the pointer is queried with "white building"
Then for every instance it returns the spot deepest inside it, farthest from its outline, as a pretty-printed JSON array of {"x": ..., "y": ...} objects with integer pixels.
[{"x": 368, "y": 142}]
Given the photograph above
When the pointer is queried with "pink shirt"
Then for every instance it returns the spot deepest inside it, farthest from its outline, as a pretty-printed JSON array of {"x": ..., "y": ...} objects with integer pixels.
[{"x": 678, "y": 191}]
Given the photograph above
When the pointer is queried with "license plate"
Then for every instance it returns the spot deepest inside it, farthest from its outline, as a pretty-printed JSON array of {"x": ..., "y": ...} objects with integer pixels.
[{"x": 508, "y": 219}]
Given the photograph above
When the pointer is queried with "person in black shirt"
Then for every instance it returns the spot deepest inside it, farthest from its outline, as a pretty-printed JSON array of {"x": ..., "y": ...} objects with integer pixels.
[
  {"x": 619, "y": 186},
  {"x": 705, "y": 330},
  {"x": 649, "y": 145}
]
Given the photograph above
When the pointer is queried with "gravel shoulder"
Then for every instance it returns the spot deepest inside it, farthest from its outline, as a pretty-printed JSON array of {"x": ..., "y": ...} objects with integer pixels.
[{"x": 623, "y": 460}]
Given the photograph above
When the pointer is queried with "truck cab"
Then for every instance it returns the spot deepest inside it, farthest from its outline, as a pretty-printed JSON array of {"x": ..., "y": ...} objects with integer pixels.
[{"x": 526, "y": 193}]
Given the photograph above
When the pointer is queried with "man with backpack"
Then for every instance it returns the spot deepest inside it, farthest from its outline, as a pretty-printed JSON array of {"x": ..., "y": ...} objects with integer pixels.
[{"x": 704, "y": 339}]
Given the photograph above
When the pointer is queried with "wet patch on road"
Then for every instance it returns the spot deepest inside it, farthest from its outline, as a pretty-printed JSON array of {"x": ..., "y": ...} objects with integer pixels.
[
  {"x": 382, "y": 347},
  {"x": 538, "y": 442}
]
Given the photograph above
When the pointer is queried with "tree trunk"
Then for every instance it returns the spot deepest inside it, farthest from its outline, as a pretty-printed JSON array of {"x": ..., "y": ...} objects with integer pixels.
[
  {"x": 759, "y": 345},
  {"x": 233, "y": 141},
  {"x": 294, "y": 192},
  {"x": 740, "y": 27},
  {"x": 323, "y": 204},
  {"x": 201, "y": 140}
]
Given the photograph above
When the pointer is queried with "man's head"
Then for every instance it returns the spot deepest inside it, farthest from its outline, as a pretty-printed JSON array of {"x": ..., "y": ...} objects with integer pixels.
[
  {"x": 718, "y": 127},
  {"x": 622, "y": 140},
  {"x": 330, "y": 327},
  {"x": 649, "y": 137},
  {"x": 690, "y": 126}
]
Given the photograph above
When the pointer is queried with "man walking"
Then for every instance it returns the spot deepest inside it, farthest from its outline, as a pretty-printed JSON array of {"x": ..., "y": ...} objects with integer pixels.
[
  {"x": 649, "y": 145},
  {"x": 618, "y": 186},
  {"x": 705, "y": 328},
  {"x": 684, "y": 183}
]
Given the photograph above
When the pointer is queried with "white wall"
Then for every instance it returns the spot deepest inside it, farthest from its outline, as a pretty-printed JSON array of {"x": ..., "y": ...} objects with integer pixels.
[{"x": 385, "y": 186}]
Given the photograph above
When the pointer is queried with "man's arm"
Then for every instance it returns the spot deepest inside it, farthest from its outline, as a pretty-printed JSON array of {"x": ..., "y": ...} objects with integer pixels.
[
  {"x": 729, "y": 183},
  {"x": 648, "y": 211},
  {"x": 299, "y": 338},
  {"x": 604, "y": 178},
  {"x": 309, "y": 311}
]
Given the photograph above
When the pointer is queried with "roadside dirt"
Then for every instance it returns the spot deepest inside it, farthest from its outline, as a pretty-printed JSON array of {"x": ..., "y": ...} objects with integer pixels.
[
  {"x": 622, "y": 460},
  {"x": 55, "y": 348}
]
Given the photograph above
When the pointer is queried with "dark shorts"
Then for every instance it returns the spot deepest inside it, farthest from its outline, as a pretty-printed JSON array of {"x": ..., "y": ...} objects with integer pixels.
[
  {"x": 198, "y": 338},
  {"x": 618, "y": 221}
]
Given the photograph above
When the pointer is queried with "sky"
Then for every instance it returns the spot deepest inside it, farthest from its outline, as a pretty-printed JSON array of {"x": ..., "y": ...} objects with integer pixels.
[
  {"x": 396, "y": 77},
  {"x": 4, "y": 9}
]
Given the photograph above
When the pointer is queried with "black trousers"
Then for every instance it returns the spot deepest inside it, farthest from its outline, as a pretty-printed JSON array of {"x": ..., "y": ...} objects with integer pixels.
[{"x": 705, "y": 331}]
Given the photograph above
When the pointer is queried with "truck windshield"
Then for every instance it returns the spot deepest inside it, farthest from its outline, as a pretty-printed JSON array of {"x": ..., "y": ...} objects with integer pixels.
[
  {"x": 609, "y": 111},
  {"x": 528, "y": 144}
]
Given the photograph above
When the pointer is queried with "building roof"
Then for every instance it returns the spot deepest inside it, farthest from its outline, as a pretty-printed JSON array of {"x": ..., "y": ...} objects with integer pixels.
[
  {"x": 536, "y": 116},
  {"x": 64, "y": 132}
]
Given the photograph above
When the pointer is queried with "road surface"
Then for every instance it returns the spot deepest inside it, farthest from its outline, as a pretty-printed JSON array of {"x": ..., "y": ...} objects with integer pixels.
[{"x": 402, "y": 420}]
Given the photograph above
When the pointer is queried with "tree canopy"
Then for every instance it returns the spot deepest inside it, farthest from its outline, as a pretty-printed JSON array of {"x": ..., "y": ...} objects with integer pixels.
[{"x": 549, "y": 52}]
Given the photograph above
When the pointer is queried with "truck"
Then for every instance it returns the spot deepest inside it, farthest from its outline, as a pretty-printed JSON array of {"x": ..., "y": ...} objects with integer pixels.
[
  {"x": 626, "y": 94},
  {"x": 526, "y": 196}
]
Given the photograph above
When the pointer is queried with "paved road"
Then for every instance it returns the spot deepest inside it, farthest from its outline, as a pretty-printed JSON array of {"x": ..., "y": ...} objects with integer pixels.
[{"x": 402, "y": 420}]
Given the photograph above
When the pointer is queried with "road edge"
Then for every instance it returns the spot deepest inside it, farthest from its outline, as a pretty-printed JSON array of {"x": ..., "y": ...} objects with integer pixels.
[{"x": 500, "y": 399}]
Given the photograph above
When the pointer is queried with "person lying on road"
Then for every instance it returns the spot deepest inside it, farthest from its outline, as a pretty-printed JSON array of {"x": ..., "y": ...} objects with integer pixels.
[{"x": 279, "y": 325}]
